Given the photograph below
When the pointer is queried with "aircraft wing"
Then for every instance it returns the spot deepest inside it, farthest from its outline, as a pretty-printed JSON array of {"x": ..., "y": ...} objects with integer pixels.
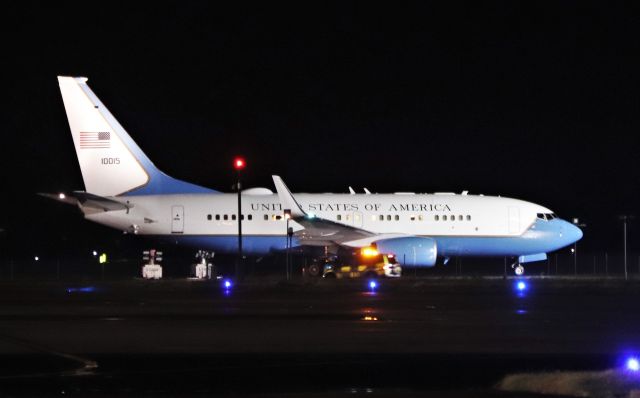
[
  {"x": 317, "y": 231},
  {"x": 88, "y": 200}
]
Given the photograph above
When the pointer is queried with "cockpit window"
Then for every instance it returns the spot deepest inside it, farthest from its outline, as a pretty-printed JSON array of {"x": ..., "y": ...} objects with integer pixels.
[{"x": 546, "y": 216}]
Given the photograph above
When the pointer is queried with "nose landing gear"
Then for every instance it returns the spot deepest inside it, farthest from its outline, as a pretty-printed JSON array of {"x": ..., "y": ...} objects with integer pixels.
[{"x": 518, "y": 269}]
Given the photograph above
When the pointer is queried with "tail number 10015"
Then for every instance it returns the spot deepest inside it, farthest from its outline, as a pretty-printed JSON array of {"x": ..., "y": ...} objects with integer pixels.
[{"x": 110, "y": 160}]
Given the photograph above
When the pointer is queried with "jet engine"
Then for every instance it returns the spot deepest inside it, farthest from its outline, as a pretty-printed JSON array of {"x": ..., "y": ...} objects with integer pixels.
[{"x": 412, "y": 251}]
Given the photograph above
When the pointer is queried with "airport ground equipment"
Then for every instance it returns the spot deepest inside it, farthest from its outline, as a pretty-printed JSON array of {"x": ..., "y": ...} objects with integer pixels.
[
  {"x": 367, "y": 263},
  {"x": 204, "y": 269},
  {"x": 152, "y": 269}
]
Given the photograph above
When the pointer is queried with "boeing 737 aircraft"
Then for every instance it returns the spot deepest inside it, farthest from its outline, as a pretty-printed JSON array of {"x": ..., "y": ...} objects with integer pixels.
[{"x": 124, "y": 190}]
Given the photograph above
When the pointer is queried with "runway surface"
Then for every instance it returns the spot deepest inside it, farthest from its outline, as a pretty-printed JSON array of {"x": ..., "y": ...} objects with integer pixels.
[{"x": 433, "y": 337}]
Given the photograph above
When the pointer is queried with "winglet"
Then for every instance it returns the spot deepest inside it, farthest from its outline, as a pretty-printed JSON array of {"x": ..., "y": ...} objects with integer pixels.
[
  {"x": 351, "y": 191},
  {"x": 286, "y": 198}
]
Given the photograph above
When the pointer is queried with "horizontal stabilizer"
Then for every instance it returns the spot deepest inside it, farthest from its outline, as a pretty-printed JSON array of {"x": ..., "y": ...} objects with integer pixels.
[{"x": 88, "y": 200}]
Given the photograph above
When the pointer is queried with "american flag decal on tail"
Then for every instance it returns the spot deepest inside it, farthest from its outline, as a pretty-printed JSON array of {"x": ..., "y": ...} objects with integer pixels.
[{"x": 100, "y": 139}]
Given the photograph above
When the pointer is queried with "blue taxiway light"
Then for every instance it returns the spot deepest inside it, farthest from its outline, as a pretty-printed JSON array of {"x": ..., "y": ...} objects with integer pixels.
[
  {"x": 86, "y": 289},
  {"x": 521, "y": 286},
  {"x": 633, "y": 364},
  {"x": 227, "y": 284},
  {"x": 373, "y": 284}
]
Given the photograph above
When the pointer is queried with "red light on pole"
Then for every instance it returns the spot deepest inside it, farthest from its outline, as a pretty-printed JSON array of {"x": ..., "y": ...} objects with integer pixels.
[{"x": 239, "y": 163}]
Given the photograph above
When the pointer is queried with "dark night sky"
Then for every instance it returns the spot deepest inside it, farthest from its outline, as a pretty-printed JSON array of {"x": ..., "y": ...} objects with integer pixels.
[{"x": 537, "y": 101}]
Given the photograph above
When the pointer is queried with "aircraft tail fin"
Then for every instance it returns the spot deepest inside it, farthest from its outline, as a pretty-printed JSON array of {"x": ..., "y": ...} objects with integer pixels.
[{"x": 111, "y": 162}]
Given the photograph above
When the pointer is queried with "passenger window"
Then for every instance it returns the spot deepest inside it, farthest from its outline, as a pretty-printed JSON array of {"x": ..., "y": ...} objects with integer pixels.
[
  {"x": 388, "y": 217},
  {"x": 266, "y": 217},
  {"x": 217, "y": 217},
  {"x": 226, "y": 217},
  {"x": 347, "y": 217},
  {"x": 381, "y": 217},
  {"x": 339, "y": 217},
  {"x": 413, "y": 218},
  {"x": 453, "y": 218},
  {"x": 250, "y": 216},
  {"x": 468, "y": 218},
  {"x": 233, "y": 217},
  {"x": 397, "y": 217},
  {"x": 460, "y": 218},
  {"x": 444, "y": 217},
  {"x": 436, "y": 217},
  {"x": 278, "y": 217},
  {"x": 209, "y": 217},
  {"x": 420, "y": 217}
]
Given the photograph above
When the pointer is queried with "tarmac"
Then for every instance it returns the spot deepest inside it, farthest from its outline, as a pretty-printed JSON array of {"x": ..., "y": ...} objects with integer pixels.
[{"x": 407, "y": 337}]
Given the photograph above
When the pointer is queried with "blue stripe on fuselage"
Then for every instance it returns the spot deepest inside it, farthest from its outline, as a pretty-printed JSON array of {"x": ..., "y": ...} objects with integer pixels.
[
  {"x": 161, "y": 184},
  {"x": 542, "y": 237},
  {"x": 251, "y": 244}
]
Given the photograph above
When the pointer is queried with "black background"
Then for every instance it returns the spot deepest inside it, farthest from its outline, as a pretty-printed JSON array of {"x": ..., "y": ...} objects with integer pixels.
[{"x": 537, "y": 101}]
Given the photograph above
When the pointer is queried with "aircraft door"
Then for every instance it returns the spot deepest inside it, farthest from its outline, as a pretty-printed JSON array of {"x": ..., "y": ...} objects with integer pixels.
[
  {"x": 514, "y": 220},
  {"x": 177, "y": 219}
]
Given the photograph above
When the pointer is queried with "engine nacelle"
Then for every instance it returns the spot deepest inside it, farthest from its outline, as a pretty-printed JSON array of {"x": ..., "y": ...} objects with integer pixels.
[{"x": 411, "y": 251}]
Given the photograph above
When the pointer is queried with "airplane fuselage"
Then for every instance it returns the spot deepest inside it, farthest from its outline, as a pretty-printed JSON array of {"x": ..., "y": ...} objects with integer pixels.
[{"x": 462, "y": 225}]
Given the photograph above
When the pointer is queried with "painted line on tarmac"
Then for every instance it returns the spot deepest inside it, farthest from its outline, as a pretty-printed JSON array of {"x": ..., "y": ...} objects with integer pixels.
[{"x": 88, "y": 366}]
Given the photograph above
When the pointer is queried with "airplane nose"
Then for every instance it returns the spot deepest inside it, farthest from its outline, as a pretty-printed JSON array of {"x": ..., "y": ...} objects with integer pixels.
[{"x": 571, "y": 232}]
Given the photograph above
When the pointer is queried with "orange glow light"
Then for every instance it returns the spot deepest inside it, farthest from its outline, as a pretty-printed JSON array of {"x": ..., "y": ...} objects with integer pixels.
[{"x": 369, "y": 252}]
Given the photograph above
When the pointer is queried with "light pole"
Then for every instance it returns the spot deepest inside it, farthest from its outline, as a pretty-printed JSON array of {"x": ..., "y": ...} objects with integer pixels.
[
  {"x": 625, "y": 218},
  {"x": 239, "y": 164}
]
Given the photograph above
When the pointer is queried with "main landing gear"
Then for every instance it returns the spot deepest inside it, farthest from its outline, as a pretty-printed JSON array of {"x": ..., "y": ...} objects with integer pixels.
[{"x": 518, "y": 269}]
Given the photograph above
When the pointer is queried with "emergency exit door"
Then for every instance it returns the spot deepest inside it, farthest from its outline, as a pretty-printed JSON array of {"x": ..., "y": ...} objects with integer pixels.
[{"x": 177, "y": 219}]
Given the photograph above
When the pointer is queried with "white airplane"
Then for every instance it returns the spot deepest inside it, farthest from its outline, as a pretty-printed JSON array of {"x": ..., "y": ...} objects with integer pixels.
[{"x": 124, "y": 190}]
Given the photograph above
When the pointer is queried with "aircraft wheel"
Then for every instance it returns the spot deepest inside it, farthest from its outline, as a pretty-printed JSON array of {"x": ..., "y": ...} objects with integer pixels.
[
  {"x": 313, "y": 270},
  {"x": 519, "y": 270}
]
